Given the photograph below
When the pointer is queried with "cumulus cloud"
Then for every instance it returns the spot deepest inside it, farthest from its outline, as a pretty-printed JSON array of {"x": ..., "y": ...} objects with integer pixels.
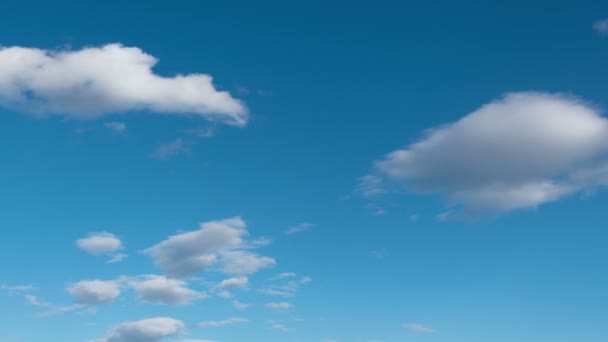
[
  {"x": 94, "y": 81},
  {"x": 520, "y": 151},
  {"x": 102, "y": 243},
  {"x": 146, "y": 330},
  {"x": 218, "y": 241},
  {"x": 91, "y": 292},
  {"x": 162, "y": 290},
  {"x": 229, "y": 321},
  {"x": 418, "y": 328}
]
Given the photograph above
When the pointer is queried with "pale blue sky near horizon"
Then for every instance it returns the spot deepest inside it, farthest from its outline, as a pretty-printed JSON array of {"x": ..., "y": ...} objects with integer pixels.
[{"x": 330, "y": 88}]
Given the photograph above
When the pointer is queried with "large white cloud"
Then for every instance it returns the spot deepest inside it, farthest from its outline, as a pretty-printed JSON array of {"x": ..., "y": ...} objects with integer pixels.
[
  {"x": 520, "y": 151},
  {"x": 216, "y": 241},
  {"x": 147, "y": 330},
  {"x": 94, "y": 81},
  {"x": 162, "y": 290},
  {"x": 90, "y": 292}
]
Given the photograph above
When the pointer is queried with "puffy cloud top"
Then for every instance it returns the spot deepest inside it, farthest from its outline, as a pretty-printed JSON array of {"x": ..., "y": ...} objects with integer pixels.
[
  {"x": 520, "y": 151},
  {"x": 100, "y": 243},
  {"x": 94, "y": 81}
]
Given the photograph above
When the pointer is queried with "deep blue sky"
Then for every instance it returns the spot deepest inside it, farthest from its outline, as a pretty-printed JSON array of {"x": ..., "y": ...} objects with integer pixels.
[{"x": 331, "y": 86}]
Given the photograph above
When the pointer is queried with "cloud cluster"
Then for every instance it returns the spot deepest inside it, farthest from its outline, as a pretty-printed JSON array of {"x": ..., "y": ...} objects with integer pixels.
[
  {"x": 146, "y": 330},
  {"x": 520, "y": 151},
  {"x": 94, "y": 81},
  {"x": 220, "y": 242}
]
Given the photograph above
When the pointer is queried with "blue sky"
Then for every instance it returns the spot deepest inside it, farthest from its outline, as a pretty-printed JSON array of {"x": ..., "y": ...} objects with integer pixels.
[{"x": 305, "y": 171}]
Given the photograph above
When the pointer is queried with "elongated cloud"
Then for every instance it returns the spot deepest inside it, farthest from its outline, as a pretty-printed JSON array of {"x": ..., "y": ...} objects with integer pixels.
[
  {"x": 146, "y": 330},
  {"x": 520, "y": 151},
  {"x": 94, "y": 81},
  {"x": 162, "y": 290}
]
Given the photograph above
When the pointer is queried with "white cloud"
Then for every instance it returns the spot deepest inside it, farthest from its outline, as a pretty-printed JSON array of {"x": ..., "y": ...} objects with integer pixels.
[
  {"x": 51, "y": 308},
  {"x": 162, "y": 290},
  {"x": 146, "y": 330},
  {"x": 116, "y": 126},
  {"x": 12, "y": 290},
  {"x": 282, "y": 306},
  {"x": 284, "y": 275},
  {"x": 222, "y": 289},
  {"x": 285, "y": 289},
  {"x": 281, "y": 327},
  {"x": 215, "y": 242},
  {"x": 167, "y": 150},
  {"x": 233, "y": 283},
  {"x": 243, "y": 262},
  {"x": 91, "y": 292},
  {"x": 229, "y": 321},
  {"x": 94, "y": 81},
  {"x": 601, "y": 26},
  {"x": 100, "y": 243},
  {"x": 418, "y": 328},
  {"x": 118, "y": 257},
  {"x": 302, "y": 227},
  {"x": 521, "y": 151},
  {"x": 241, "y": 306}
]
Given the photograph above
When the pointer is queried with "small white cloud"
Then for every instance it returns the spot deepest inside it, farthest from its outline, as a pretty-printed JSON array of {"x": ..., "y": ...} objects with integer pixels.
[
  {"x": 216, "y": 242},
  {"x": 100, "y": 243},
  {"x": 162, "y": 290},
  {"x": 286, "y": 286},
  {"x": 91, "y": 292},
  {"x": 223, "y": 288},
  {"x": 118, "y": 257},
  {"x": 229, "y": 321},
  {"x": 146, "y": 330},
  {"x": 168, "y": 150},
  {"x": 191, "y": 252},
  {"x": 281, "y": 327},
  {"x": 601, "y": 27},
  {"x": 233, "y": 283},
  {"x": 116, "y": 126},
  {"x": 418, "y": 328},
  {"x": 51, "y": 309},
  {"x": 243, "y": 262},
  {"x": 302, "y": 227},
  {"x": 282, "y": 306},
  {"x": 241, "y": 306},
  {"x": 284, "y": 275},
  {"x": 95, "y": 81}
]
